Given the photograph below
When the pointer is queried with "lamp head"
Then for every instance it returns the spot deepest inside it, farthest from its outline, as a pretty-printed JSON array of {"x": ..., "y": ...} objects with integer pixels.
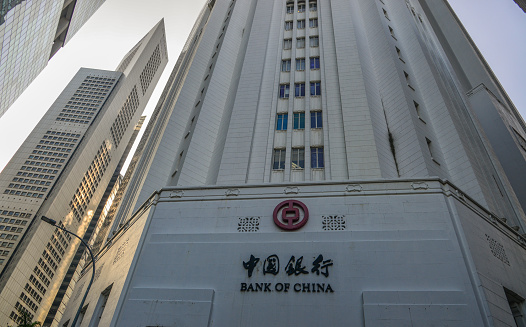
[{"x": 49, "y": 220}]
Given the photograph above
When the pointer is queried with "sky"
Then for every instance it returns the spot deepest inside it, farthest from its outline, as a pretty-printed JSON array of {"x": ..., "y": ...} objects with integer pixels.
[{"x": 498, "y": 27}]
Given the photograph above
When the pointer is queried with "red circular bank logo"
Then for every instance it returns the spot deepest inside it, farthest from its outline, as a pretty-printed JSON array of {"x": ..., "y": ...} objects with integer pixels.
[{"x": 291, "y": 215}]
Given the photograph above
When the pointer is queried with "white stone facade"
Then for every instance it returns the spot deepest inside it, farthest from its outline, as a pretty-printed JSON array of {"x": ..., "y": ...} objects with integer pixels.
[
  {"x": 408, "y": 252},
  {"x": 360, "y": 110}
]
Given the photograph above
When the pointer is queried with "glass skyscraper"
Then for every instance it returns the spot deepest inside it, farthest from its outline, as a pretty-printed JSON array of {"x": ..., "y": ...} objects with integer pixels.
[
  {"x": 65, "y": 170},
  {"x": 31, "y": 32}
]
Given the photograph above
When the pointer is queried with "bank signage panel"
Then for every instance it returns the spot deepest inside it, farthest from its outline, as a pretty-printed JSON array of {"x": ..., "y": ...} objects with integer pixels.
[{"x": 295, "y": 268}]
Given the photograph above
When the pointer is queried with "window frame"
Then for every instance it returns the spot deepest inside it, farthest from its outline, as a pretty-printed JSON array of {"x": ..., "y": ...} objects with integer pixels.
[
  {"x": 300, "y": 24},
  {"x": 299, "y": 90},
  {"x": 289, "y": 25},
  {"x": 287, "y": 44},
  {"x": 286, "y": 63},
  {"x": 313, "y": 23},
  {"x": 298, "y": 119},
  {"x": 317, "y": 158},
  {"x": 315, "y": 88},
  {"x": 297, "y": 160},
  {"x": 314, "y": 41},
  {"x": 281, "y": 155},
  {"x": 282, "y": 121},
  {"x": 314, "y": 63},
  {"x": 316, "y": 120},
  {"x": 300, "y": 64},
  {"x": 300, "y": 43},
  {"x": 284, "y": 91}
]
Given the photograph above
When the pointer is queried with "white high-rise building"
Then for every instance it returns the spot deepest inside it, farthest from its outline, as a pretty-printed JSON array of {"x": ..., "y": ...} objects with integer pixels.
[
  {"x": 321, "y": 163},
  {"x": 63, "y": 170},
  {"x": 31, "y": 32}
]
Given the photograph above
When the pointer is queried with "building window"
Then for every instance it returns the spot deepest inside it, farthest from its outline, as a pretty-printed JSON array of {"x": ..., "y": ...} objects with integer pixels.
[
  {"x": 301, "y": 6},
  {"x": 314, "y": 41},
  {"x": 285, "y": 65},
  {"x": 287, "y": 44},
  {"x": 300, "y": 43},
  {"x": 284, "y": 90},
  {"x": 313, "y": 22},
  {"x": 417, "y": 108},
  {"x": 314, "y": 63},
  {"x": 518, "y": 307},
  {"x": 392, "y": 32},
  {"x": 298, "y": 159},
  {"x": 300, "y": 63},
  {"x": 299, "y": 90},
  {"x": 431, "y": 150},
  {"x": 522, "y": 140},
  {"x": 315, "y": 119},
  {"x": 408, "y": 80},
  {"x": 299, "y": 120},
  {"x": 316, "y": 158},
  {"x": 290, "y": 8},
  {"x": 288, "y": 25},
  {"x": 385, "y": 13},
  {"x": 313, "y": 5},
  {"x": 399, "y": 53},
  {"x": 281, "y": 124},
  {"x": 315, "y": 88},
  {"x": 279, "y": 159},
  {"x": 99, "y": 309},
  {"x": 301, "y": 24}
]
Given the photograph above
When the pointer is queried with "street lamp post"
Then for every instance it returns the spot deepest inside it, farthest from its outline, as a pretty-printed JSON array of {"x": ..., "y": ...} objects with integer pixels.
[{"x": 54, "y": 223}]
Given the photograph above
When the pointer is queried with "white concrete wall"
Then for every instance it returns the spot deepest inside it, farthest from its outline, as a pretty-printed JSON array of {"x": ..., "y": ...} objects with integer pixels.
[{"x": 404, "y": 256}]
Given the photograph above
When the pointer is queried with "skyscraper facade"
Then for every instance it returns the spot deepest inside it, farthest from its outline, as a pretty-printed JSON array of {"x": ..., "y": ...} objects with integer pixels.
[
  {"x": 31, "y": 32},
  {"x": 521, "y": 4},
  {"x": 63, "y": 171},
  {"x": 321, "y": 163}
]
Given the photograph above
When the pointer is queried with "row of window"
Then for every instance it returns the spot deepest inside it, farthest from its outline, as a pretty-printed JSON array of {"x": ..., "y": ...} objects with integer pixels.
[
  {"x": 15, "y": 214},
  {"x": 13, "y": 221},
  {"x": 299, "y": 120},
  {"x": 11, "y": 229},
  {"x": 34, "y": 175},
  {"x": 300, "y": 64},
  {"x": 57, "y": 143},
  {"x": 46, "y": 159},
  {"x": 313, "y": 6},
  {"x": 63, "y": 134},
  {"x": 43, "y": 170},
  {"x": 46, "y": 153},
  {"x": 299, "y": 90},
  {"x": 52, "y": 148},
  {"x": 6, "y": 245},
  {"x": 31, "y": 181},
  {"x": 27, "y": 187},
  {"x": 314, "y": 42},
  {"x": 298, "y": 158},
  {"x": 300, "y": 24},
  {"x": 5, "y": 236},
  {"x": 42, "y": 164}
]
